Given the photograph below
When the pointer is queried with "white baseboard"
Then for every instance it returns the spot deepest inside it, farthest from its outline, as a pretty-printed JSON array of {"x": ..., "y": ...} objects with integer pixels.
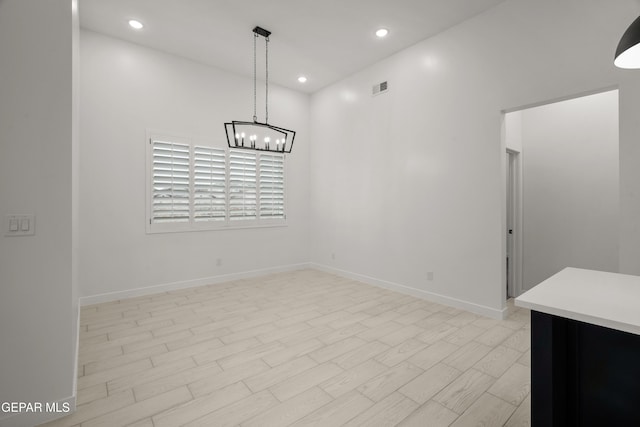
[
  {"x": 130, "y": 293},
  {"x": 75, "y": 368},
  {"x": 418, "y": 293},
  {"x": 36, "y": 417}
]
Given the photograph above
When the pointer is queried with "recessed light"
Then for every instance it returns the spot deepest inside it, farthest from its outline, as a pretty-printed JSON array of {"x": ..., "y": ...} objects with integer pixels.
[
  {"x": 135, "y": 24},
  {"x": 302, "y": 79},
  {"x": 382, "y": 32}
]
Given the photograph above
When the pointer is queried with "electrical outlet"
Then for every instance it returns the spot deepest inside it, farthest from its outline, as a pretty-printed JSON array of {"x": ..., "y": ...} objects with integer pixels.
[
  {"x": 218, "y": 262},
  {"x": 430, "y": 276},
  {"x": 333, "y": 255}
]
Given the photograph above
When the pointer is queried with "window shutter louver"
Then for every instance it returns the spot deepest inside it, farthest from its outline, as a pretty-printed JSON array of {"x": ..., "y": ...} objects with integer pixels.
[
  {"x": 271, "y": 173},
  {"x": 209, "y": 187},
  {"x": 171, "y": 182},
  {"x": 242, "y": 185},
  {"x": 195, "y": 187}
]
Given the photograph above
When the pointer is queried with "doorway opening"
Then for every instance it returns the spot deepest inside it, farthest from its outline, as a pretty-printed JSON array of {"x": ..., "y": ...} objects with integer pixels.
[
  {"x": 561, "y": 189},
  {"x": 512, "y": 219}
]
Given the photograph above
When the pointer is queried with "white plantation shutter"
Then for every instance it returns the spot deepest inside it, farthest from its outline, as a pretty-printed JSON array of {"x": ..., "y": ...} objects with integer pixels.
[
  {"x": 170, "y": 182},
  {"x": 242, "y": 185},
  {"x": 209, "y": 184},
  {"x": 271, "y": 177},
  {"x": 193, "y": 187}
]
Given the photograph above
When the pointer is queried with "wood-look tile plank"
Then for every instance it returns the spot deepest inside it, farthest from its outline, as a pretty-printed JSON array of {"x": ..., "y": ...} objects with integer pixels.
[
  {"x": 185, "y": 352},
  {"x": 342, "y": 333},
  {"x": 462, "y": 319},
  {"x": 123, "y": 359},
  {"x": 147, "y": 375},
  {"x": 514, "y": 386},
  {"x": 283, "y": 332},
  {"x": 428, "y": 384},
  {"x": 522, "y": 416},
  {"x": 202, "y": 406},
  {"x": 464, "y": 390},
  {"x": 353, "y": 378},
  {"x": 146, "y": 422},
  {"x": 114, "y": 373},
  {"x": 467, "y": 355},
  {"x": 250, "y": 354},
  {"x": 290, "y": 411},
  {"x": 401, "y": 335},
  {"x": 138, "y": 343},
  {"x": 305, "y": 380},
  {"x": 236, "y": 413},
  {"x": 526, "y": 359},
  {"x": 413, "y": 316},
  {"x": 195, "y": 338},
  {"x": 437, "y": 333},
  {"x": 360, "y": 355},
  {"x": 431, "y": 414},
  {"x": 248, "y": 333},
  {"x": 495, "y": 335},
  {"x": 92, "y": 393},
  {"x": 337, "y": 412},
  {"x": 379, "y": 319},
  {"x": 464, "y": 335},
  {"x": 328, "y": 352},
  {"x": 412, "y": 305},
  {"x": 95, "y": 409},
  {"x": 387, "y": 412},
  {"x": 291, "y": 352},
  {"x": 215, "y": 382},
  {"x": 389, "y": 381},
  {"x": 520, "y": 341},
  {"x": 280, "y": 373},
  {"x": 400, "y": 352},
  {"x": 381, "y": 330},
  {"x": 497, "y": 361},
  {"x": 488, "y": 410},
  {"x": 137, "y": 411},
  {"x": 428, "y": 357},
  {"x": 226, "y": 350},
  {"x": 170, "y": 380}
]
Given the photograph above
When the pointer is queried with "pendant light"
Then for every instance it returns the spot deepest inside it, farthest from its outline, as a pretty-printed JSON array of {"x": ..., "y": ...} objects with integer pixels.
[
  {"x": 628, "y": 51},
  {"x": 255, "y": 135}
]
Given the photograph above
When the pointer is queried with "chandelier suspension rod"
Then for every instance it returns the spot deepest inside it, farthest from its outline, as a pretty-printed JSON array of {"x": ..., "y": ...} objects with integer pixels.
[
  {"x": 266, "y": 80},
  {"x": 255, "y": 91},
  {"x": 257, "y": 135}
]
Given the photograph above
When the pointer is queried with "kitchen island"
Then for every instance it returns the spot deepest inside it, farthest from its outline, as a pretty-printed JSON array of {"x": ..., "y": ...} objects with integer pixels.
[{"x": 585, "y": 349}]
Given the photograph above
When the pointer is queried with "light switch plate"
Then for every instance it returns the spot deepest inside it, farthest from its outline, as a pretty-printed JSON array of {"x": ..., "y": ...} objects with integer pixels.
[{"x": 20, "y": 225}]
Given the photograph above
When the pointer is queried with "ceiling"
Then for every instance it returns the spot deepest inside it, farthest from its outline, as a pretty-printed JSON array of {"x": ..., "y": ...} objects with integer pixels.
[{"x": 325, "y": 40}]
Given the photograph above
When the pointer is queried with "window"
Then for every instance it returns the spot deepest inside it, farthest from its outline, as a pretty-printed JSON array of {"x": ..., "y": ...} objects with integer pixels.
[
  {"x": 170, "y": 169},
  {"x": 195, "y": 187},
  {"x": 242, "y": 185},
  {"x": 209, "y": 184},
  {"x": 271, "y": 179}
]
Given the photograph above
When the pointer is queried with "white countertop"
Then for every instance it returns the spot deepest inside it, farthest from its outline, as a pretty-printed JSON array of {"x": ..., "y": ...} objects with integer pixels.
[{"x": 606, "y": 299}]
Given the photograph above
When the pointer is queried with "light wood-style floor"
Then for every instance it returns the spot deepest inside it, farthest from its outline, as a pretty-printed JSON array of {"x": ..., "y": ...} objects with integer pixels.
[{"x": 298, "y": 348}]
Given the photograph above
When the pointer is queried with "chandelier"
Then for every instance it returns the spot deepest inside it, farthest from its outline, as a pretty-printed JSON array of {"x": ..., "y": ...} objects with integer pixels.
[{"x": 256, "y": 135}]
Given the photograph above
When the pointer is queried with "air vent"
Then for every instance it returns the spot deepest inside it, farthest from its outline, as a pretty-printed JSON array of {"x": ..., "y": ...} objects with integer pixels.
[{"x": 379, "y": 88}]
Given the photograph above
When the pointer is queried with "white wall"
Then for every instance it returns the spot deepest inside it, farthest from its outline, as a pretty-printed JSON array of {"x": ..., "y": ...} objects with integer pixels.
[
  {"x": 570, "y": 186},
  {"x": 411, "y": 181},
  {"x": 127, "y": 89},
  {"x": 37, "y": 334}
]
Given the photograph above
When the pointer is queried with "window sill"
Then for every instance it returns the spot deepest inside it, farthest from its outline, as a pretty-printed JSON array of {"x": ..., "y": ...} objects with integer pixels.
[{"x": 190, "y": 229}]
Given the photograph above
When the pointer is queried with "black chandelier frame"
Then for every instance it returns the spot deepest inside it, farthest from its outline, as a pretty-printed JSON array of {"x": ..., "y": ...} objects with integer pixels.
[{"x": 237, "y": 138}]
